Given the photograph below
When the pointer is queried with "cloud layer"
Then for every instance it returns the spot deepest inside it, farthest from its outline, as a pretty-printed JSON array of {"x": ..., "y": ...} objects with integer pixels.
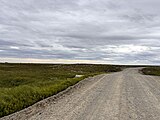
[{"x": 116, "y": 31}]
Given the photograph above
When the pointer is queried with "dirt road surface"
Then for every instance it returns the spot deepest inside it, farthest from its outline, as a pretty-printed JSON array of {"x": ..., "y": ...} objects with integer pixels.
[{"x": 125, "y": 95}]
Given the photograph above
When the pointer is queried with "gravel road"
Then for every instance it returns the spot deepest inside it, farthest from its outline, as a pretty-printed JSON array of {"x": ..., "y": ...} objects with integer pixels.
[{"x": 125, "y": 95}]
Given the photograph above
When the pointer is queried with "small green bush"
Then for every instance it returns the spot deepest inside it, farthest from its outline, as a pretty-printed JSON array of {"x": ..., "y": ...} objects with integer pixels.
[{"x": 151, "y": 71}]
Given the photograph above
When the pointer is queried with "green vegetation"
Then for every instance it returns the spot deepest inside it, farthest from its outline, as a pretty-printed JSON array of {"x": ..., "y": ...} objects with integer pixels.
[
  {"x": 151, "y": 71},
  {"x": 22, "y": 85}
]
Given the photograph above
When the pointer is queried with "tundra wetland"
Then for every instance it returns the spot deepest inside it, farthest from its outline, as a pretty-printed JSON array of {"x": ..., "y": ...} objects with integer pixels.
[{"x": 22, "y": 85}]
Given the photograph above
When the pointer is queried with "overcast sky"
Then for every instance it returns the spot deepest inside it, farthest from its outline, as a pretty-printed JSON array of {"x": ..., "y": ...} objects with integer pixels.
[{"x": 108, "y": 31}]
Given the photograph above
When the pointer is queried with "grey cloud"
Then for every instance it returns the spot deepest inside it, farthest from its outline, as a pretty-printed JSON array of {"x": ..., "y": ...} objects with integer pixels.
[{"x": 81, "y": 29}]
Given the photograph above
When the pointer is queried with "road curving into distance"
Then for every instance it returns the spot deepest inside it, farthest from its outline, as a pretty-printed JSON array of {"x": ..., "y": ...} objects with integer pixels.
[{"x": 125, "y": 95}]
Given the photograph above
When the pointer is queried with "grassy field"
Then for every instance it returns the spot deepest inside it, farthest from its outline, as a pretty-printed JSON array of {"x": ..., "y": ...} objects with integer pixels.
[
  {"x": 151, "y": 71},
  {"x": 22, "y": 85}
]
